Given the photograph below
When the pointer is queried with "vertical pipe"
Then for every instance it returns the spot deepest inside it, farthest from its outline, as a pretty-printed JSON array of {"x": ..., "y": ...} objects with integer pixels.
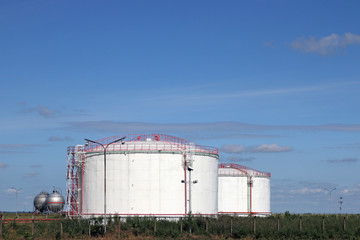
[
  {"x": 73, "y": 205},
  {"x": 231, "y": 225},
  {"x": 154, "y": 224},
  {"x": 105, "y": 220},
  {"x": 185, "y": 167},
  {"x": 344, "y": 224},
  {"x": 278, "y": 223},
  {"x": 300, "y": 223},
  {"x": 82, "y": 186},
  {"x": 323, "y": 224},
  {"x": 251, "y": 194},
  {"x": 190, "y": 230}
]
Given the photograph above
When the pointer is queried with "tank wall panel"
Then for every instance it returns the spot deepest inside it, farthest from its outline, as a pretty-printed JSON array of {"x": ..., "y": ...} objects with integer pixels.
[
  {"x": 144, "y": 183},
  {"x": 233, "y": 194},
  {"x": 205, "y": 191},
  {"x": 261, "y": 194}
]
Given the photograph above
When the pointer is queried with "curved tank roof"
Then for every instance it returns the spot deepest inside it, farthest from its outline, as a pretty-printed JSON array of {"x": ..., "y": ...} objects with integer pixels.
[
  {"x": 237, "y": 169},
  {"x": 148, "y": 142}
]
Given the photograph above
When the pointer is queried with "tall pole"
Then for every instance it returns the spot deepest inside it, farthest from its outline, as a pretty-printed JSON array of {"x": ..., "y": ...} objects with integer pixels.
[
  {"x": 105, "y": 219},
  {"x": 105, "y": 147},
  {"x": 341, "y": 202},
  {"x": 330, "y": 191},
  {"x": 16, "y": 191}
]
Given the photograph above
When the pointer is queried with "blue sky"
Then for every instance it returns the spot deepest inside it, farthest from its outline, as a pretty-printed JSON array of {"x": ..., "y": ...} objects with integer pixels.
[{"x": 273, "y": 84}]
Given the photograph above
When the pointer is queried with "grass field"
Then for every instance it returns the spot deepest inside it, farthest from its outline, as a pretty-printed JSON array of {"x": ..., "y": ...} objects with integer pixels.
[{"x": 277, "y": 226}]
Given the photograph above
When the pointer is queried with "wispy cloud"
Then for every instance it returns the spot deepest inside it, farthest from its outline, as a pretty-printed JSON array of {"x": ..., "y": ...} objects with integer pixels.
[
  {"x": 215, "y": 97},
  {"x": 306, "y": 190},
  {"x": 60, "y": 139},
  {"x": 326, "y": 45},
  {"x": 263, "y": 148},
  {"x": 346, "y": 146},
  {"x": 31, "y": 174},
  {"x": 3, "y": 165},
  {"x": 352, "y": 190},
  {"x": 239, "y": 159},
  {"x": 18, "y": 148},
  {"x": 40, "y": 109},
  {"x": 11, "y": 190},
  {"x": 268, "y": 148},
  {"x": 344, "y": 160},
  {"x": 233, "y": 148},
  {"x": 226, "y": 129}
]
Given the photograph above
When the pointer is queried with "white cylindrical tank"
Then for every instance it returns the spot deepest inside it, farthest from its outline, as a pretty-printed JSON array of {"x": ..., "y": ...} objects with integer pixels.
[
  {"x": 243, "y": 191},
  {"x": 148, "y": 175}
]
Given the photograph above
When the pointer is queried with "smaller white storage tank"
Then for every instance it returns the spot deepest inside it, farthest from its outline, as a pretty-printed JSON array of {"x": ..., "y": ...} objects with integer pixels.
[{"x": 243, "y": 191}]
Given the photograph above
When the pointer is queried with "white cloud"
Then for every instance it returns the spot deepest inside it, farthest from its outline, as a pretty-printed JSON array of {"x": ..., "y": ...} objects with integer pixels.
[
  {"x": 351, "y": 191},
  {"x": 326, "y": 45},
  {"x": 233, "y": 148},
  {"x": 306, "y": 190},
  {"x": 264, "y": 148},
  {"x": 11, "y": 190},
  {"x": 267, "y": 148}
]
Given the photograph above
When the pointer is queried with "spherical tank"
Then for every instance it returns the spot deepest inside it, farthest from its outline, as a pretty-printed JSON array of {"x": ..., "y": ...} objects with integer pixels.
[
  {"x": 55, "y": 202},
  {"x": 40, "y": 201},
  {"x": 156, "y": 175},
  {"x": 243, "y": 191}
]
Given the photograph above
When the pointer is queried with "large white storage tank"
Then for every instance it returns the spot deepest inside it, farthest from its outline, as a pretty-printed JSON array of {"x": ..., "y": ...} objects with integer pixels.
[
  {"x": 243, "y": 191},
  {"x": 148, "y": 175}
]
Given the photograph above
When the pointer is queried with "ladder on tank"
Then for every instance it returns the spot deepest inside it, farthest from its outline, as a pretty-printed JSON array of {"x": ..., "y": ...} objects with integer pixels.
[{"x": 75, "y": 157}]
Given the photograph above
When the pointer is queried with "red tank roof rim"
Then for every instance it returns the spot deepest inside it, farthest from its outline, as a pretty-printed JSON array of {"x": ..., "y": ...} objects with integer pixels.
[
  {"x": 242, "y": 168},
  {"x": 153, "y": 137}
]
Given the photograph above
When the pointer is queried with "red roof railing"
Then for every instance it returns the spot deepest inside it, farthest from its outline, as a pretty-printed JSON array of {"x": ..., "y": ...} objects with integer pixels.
[
  {"x": 244, "y": 169},
  {"x": 165, "y": 143}
]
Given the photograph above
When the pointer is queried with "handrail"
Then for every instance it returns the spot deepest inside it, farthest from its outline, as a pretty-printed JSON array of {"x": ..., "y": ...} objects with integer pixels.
[
  {"x": 244, "y": 169},
  {"x": 147, "y": 142}
]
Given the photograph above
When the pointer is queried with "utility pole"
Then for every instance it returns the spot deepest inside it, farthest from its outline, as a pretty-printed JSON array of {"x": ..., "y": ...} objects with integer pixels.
[
  {"x": 16, "y": 191},
  {"x": 330, "y": 191},
  {"x": 104, "y": 148}
]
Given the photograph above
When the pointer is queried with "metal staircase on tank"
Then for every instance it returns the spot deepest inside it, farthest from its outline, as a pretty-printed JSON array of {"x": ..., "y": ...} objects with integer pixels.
[{"x": 75, "y": 156}]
